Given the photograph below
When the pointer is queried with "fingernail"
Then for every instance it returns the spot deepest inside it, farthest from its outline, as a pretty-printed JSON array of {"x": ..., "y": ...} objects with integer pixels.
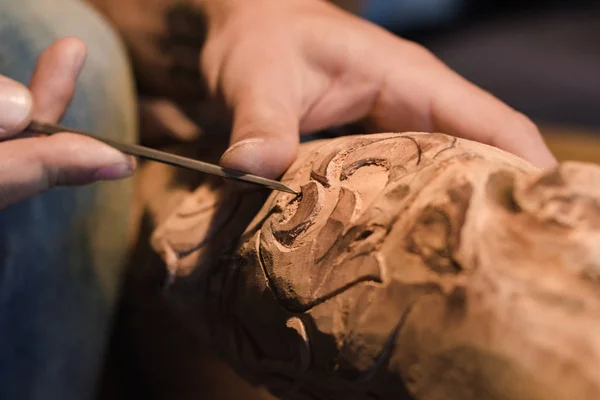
[
  {"x": 15, "y": 107},
  {"x": 242, "y": 145},
  {"x": 116, "y": 171},
  {"x": 232, "y": 158}
]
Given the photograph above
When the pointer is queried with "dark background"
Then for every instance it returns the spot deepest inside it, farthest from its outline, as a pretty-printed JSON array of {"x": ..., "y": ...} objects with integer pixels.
[{"x": 540, "y": 56}]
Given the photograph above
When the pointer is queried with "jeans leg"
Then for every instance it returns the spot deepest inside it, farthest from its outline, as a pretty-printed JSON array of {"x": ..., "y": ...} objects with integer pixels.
[{"x": 61, "y": 253}]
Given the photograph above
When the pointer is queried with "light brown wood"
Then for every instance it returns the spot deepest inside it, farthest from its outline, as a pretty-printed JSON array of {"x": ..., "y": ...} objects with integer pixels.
[{"x": 412, "y": 266}]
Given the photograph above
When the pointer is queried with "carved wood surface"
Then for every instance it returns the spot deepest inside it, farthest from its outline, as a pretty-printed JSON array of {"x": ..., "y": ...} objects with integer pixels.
[{"x": 411, "y": 266}]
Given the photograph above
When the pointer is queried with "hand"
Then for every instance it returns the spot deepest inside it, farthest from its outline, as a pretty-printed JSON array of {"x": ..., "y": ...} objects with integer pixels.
[
  {"x": 284, "y": 67},
  {"x": 30, "y": 165}
]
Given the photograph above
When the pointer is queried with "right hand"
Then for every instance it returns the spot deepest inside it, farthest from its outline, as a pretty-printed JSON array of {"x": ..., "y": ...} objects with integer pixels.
[
  {"x": 302, "y": 66},
  {"x": 30, "y": 165}
]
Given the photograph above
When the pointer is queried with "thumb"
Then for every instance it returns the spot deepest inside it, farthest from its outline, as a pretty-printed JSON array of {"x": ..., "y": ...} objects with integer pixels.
[
  {"x": 15, "y": 107},
  {"x": 264, "y": 139}
]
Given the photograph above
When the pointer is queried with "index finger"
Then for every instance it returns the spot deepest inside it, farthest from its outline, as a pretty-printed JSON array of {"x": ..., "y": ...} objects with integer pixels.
[{"x": 53, "y": 82}]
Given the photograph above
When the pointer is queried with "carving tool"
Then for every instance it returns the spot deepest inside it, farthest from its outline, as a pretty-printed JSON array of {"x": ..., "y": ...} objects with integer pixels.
[{"x": 165, "y": 158}]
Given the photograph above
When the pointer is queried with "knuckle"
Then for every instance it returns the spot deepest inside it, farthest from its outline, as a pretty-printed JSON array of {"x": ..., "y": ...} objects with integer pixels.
[
  {"x": 57, "y": 170},
  {"x": 526, "y": 125},
  {"x": 418, "y": 51},
  {"x": 50, "y": 175},
  {"x": 50, "y": 171}
]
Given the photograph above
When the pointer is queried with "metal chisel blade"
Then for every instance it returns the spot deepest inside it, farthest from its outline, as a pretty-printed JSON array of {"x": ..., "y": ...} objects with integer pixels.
[{"x": 166, "y": 158}]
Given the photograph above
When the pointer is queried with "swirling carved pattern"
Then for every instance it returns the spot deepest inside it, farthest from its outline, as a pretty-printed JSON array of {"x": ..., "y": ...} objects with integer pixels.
[{"x": 396, "y": 270}]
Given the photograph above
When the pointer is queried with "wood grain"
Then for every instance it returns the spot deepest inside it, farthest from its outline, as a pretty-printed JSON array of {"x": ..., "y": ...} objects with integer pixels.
[{"x": 411, "y": 266}]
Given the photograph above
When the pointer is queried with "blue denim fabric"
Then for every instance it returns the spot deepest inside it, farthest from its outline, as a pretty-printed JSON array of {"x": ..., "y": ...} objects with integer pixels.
[
  {"x": 61, "y": 253},
  {"x": 410, "y": 14}
]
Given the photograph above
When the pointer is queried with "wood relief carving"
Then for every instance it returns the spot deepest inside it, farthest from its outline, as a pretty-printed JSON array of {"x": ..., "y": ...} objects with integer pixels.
[{"x": 411, "y": 266}]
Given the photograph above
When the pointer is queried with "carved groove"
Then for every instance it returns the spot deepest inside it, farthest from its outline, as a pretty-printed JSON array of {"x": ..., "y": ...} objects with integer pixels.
[{"x": 413, "y": 266}]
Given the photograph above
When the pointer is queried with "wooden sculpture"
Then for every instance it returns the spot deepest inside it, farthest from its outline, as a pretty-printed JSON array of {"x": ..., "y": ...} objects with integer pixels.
[{"x": 411, "y": 266}]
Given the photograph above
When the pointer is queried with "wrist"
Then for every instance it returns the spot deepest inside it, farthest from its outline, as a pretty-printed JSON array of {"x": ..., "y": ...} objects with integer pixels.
[{"x": 217, "y": 11}]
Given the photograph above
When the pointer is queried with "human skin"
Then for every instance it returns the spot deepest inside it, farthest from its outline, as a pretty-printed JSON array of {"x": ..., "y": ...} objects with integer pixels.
[
  {"x": 31, "y": 165},
  {"x": 62, "y": 252},
  {"x": 280, "y": 69}
]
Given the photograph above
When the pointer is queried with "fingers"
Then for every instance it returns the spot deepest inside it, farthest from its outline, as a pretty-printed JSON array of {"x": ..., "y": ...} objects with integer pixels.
[
  {"x": 30, "y": 166},
  {"x": 15, "y": 107},
  {"x": 429, "y": 96},
  {"x": 53, "y": 82},
  {"x": 475, "y": 114},
  {"x": 51, "y": 88},
  {"x": 265, "y": 137}
]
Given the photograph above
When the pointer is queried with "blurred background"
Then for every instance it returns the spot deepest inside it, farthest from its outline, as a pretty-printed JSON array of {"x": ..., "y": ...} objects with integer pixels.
[{"x": 542, "y": 57}]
